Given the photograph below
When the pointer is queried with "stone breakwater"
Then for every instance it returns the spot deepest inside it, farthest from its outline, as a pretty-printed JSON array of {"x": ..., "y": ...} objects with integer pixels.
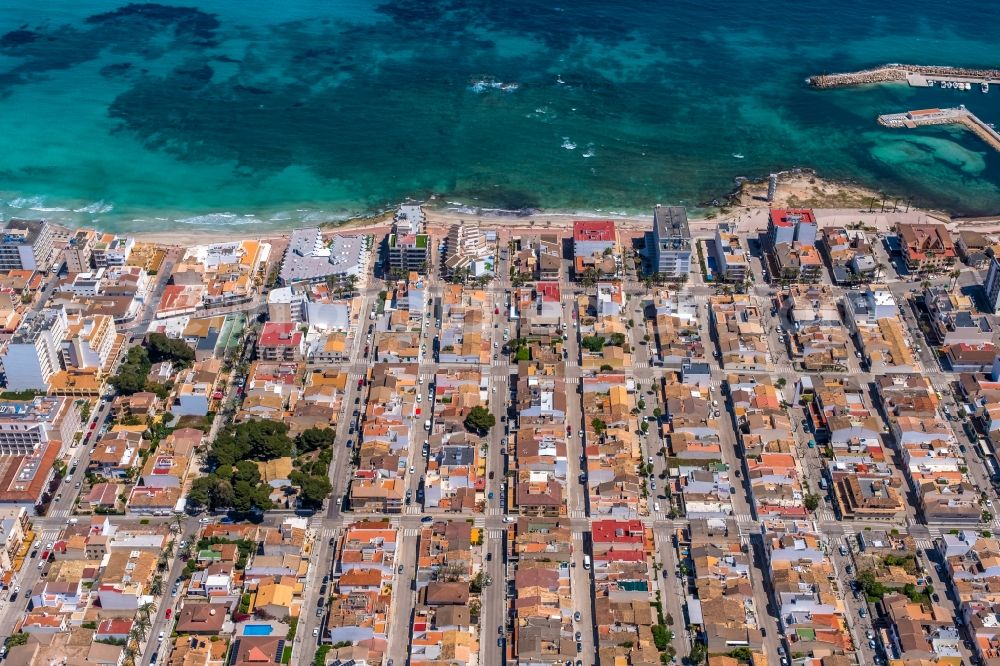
[
  {"x": 898, "y": 72},
  {"x": 959, "y": 115}
]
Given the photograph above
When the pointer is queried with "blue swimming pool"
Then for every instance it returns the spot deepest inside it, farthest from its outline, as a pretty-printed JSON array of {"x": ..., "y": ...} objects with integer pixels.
[{"x": 257, "y": 630}]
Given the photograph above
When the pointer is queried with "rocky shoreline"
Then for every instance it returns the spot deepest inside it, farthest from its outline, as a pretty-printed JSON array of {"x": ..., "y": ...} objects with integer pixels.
[{"x": 896, "y": 72}]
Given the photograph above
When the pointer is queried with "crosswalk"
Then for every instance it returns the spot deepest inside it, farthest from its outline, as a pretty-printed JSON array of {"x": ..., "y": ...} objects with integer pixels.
[
  {"x": 326, "y": 533},
  {"x": 640, "y": 365},
  {"x": 410, "y": 531},
  {"x": 412, "y": 509},
  {"x": 744, "y": 519},
  {"x": 494, "y": 533},
  {"x": 825, "y": 515},
  {"x": 577, "y": 513},
  {"x": 500, "y": 363},
  {"x": 59, "y": 513}
]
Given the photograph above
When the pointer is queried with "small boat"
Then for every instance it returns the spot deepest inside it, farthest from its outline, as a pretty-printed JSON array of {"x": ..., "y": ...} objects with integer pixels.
[
  {"x": 985, "y": 86},
  {"x": 738, "y": 156}
]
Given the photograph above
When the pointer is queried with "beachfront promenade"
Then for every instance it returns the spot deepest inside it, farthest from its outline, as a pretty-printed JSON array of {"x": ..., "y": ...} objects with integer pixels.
[
  {"x": 958, "y": 115},
  {"x": 915, "y": 75}
]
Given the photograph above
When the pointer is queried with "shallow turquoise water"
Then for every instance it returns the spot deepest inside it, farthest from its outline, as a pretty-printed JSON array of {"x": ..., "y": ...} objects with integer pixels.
[{"x": 265, "y": 114}]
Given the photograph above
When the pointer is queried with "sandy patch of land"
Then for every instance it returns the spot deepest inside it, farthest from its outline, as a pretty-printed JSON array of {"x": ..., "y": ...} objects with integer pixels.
[{"x": 748, "y": 205}]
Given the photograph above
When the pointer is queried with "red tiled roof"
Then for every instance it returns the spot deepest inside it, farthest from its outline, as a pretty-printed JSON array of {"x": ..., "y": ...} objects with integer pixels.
[
  {"x": 280, "y": 334},
  {"x": 779, "y": 216},
  {"x": 617, "y": 531},
  {"x": 549, "y": 291},
  {"x": 600, "y": 230}
]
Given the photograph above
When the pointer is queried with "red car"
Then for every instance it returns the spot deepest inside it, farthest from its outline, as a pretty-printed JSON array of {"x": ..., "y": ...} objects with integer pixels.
[
  {"x": 496, "y": 310},
  {"x": 569, "y": 430},
  {"x": 169, "y": 612}
]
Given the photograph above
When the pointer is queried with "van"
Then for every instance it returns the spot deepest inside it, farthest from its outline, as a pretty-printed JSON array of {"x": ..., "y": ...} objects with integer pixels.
[
  {"x": 656, "y": 506},
  {"x": 586, "y": 562},
  {"x": 427, "y": 424}
]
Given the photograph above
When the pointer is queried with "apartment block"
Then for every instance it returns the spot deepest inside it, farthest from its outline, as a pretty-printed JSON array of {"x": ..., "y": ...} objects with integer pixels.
[
  {"x": 26, "y": 245},
  {"x": 672, "y": 242},
  {"x": 32, "y": 355}
]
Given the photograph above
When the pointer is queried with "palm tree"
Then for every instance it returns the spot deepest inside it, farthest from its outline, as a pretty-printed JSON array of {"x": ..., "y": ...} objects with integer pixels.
[
  {"x": 879, "y": 267},
  {"x": 140, "y": 628},
  {"x": 146, "y": 610},
  {"x": 156, "y": 587},
  {"x": 955, "y": 274},
  {"x": 130, "y": 653}
]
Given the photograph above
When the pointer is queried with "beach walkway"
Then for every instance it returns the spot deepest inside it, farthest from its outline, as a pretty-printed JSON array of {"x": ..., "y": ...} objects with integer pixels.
[{"x": 958, "y": 115}]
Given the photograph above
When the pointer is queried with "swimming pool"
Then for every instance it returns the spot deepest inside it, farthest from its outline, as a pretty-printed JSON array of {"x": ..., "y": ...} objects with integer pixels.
[{"x": 257, "y": 630}]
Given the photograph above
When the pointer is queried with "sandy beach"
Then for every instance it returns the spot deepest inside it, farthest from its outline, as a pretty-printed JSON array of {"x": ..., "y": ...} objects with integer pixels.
[{"x": 747, "y": 205}]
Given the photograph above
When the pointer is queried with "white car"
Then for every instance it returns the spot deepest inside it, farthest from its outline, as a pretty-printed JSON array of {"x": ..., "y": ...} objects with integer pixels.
[{"x": 315, "y": 632}]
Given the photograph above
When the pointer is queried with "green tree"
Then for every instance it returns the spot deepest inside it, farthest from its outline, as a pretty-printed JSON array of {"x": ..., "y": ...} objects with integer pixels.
[
  {"x": 480, "y": 420},
  {"x": 315, "y": 438},
  {"x": 593, "y": 343},
  {"x": 161, "y": 348},
  {"x": 314, "y": 489},
  {"x": 811, "y": 502},
  {"x": 131, "y": 376},
  {"x": 698, "y": 653},
  {"x": 743, "y": 654},
  {"x": 874, "y": 590},
  {"x": 599, "y": 426},
  {"x": 617, "y": 339}
]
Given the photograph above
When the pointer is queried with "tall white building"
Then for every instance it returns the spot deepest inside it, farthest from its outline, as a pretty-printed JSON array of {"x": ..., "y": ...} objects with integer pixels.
[
  {"x": 671, "y": 241},
  {"x": 27, "y": 245},
  {"x": 91, "y": 342},
  {"x": 32, "y": 356},
  {"x": 992, "y": 285}
]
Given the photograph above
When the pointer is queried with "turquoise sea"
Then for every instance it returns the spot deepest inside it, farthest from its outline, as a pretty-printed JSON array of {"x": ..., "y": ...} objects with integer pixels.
[{"x": 269, "y": 114}]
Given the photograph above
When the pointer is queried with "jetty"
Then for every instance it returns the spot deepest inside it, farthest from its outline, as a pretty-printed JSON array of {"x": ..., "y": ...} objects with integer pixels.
[
  {"x": 959, "y": 115},
  {"x": 921, "y": 76}
]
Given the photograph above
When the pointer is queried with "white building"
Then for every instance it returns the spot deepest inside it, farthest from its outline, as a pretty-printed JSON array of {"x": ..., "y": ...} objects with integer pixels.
[
  {"x": 992, "y": 285},
  {"x": 91, "y": 344},
  {"x": 27, "y": 245},
  {"x": 285, "y": 305},
  {"x": 111, "y": 250},
  {"x": 32, "y": 356}
]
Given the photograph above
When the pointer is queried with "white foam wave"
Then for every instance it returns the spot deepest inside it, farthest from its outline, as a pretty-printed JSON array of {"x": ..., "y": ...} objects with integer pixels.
[
  {"x": 96, "y": 208},
  {"x": 219, "y": 219},
  {"x": 26, "y": 202},
  {"x": 589, "y": 152},
  {"x": 489, "y": 83},
  {"x": 567, "y": 144}
]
